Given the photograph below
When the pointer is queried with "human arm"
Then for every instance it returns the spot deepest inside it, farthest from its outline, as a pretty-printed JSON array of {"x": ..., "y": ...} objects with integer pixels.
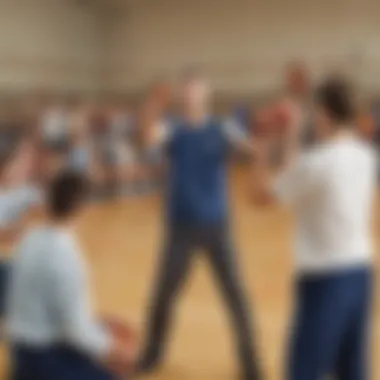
[
  {"x": 269, "y": 181},
  {"x": 156, "y": 139},
  {"x": 17, "y": 207},
  {"x": 10, "y": 233},
  {"x": 238, "y": 137}
]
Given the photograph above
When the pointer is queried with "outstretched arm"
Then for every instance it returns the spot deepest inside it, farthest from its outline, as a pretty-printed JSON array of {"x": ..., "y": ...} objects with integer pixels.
[
  {"x": 156, "y": 138},
  {"x": 238, "y": 137},
  {"x": 10, "y": 234},
  {"x": 268, "y": 180},
  {"x": 22, "y": 204}
]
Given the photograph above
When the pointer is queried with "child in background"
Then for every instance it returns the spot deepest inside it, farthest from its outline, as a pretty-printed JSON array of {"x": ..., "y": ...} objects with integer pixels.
[
  {"x": 105, "y": 154},
  {"x": 55, "y": 131},
  {"x": 81, "y": 150},
  {"x": 122, "y": 152}
]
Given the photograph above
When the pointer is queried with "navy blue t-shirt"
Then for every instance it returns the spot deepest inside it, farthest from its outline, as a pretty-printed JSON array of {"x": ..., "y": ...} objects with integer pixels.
[{"x": 197, "y": 178}]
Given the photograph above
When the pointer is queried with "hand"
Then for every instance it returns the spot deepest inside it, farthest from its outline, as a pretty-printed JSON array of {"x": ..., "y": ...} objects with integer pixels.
[
  {"x": 121, "y": 330},
  {"x": 122, "y": 358},
  {"x": 123, "y": 354}
]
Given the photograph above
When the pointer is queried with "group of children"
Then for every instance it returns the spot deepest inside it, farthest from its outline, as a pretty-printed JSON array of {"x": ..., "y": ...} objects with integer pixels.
[
  {"x": 102, "y": 142},
  {"x": 323, "y": 171}
]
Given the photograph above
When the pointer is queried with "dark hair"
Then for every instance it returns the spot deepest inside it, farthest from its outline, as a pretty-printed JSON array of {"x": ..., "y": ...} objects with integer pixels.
[
  {"x": 335, "y": 95},
  {"x": 67, "y": 192}
]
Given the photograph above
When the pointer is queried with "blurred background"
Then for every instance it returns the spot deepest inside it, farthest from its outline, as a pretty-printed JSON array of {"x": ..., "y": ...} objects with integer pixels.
[
  {"x": 117, "y": 47},
  {"x": 111, "y": 56}
]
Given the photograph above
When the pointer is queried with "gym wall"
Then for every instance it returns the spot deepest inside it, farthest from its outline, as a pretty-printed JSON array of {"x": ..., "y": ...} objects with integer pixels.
[
  {"x": 50, "y": 45},
  {"x": 244, "y": 44},
  {"x": 76, "y": 45}
]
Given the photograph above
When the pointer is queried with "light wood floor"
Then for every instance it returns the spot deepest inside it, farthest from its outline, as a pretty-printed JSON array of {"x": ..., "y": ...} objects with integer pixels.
[{"x": 122, "y": 240}]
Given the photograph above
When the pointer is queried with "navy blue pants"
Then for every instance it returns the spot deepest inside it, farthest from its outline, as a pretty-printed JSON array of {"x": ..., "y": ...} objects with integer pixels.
[
  {"x": 55, "y": 363},
  {"x": 331, "y": 329}
]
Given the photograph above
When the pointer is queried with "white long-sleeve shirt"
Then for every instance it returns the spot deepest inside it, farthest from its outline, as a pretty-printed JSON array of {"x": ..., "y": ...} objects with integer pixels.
[
  {"x": 49, "y": 301},
  {"x": 15, "y": 202},
  {"x": 331, "y": 190},
  {"x": 55, "y": 124}
]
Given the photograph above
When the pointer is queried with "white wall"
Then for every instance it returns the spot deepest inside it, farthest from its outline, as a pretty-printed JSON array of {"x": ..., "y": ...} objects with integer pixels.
[
  {"x": 62, "y": 46},
  {"x": 49, "y": 44},
  {"x": 243, "y": 43}
]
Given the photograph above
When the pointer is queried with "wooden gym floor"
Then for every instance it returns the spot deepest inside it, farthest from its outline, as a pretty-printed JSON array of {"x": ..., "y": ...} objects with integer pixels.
[{"x": 122, "y": 241}]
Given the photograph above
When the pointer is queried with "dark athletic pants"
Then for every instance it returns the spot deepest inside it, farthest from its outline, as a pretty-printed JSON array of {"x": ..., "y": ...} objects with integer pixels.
[
  {"x": 331, "y": 329},
  {"x": 178, "y": 254},
  {"x": 54, "y": 363}
]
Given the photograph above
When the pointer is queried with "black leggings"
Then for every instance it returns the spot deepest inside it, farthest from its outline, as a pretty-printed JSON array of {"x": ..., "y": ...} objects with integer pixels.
[{"x": 173, "y": 271}]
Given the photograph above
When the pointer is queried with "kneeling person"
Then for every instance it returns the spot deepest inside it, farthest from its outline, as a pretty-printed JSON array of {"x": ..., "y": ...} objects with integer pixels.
[{"x": 53, "y": 332}]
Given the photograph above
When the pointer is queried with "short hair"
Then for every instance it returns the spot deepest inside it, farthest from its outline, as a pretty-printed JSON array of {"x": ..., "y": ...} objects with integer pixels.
[
  {"x": 67, "y": 193},
  {"x": 336, "y": 97}
]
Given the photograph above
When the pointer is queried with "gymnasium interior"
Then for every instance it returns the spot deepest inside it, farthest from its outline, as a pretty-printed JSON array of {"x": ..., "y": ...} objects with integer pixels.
[{"x": 112, "y": 53}]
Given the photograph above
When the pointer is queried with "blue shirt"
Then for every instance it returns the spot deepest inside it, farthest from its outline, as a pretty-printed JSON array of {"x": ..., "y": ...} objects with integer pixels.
[{"x": 197, "y": 181}]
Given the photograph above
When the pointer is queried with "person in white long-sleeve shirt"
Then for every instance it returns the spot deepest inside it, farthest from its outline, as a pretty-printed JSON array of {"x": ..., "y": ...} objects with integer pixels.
[
  {"x": 331, "y": 190},
  {"x": 55, "y": 127},
  {"x": 50, "y": 322}
]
